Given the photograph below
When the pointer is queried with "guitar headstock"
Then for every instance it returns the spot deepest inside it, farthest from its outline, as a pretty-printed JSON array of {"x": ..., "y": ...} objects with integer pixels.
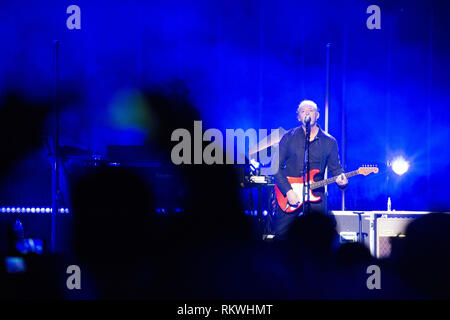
[{"x": 365, "y": 170}]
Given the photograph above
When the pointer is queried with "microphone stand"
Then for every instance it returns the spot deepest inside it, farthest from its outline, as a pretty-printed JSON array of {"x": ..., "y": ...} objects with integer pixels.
[{"x": 306, "y": 174}]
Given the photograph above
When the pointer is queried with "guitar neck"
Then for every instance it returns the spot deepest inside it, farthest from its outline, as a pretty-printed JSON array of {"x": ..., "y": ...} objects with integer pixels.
[{"x": 325, "y": 182}]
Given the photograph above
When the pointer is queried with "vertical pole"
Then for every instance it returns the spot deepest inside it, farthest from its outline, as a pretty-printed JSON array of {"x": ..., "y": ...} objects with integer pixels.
[
  {"x": 327, "y": 90},
  {"x": 55, "y": 164},
  {"x": 327, "y": 105},
  {"x": 388, "y": 104},
  {"x": 263, "y": 221},
  {"x": 261, "y": 65},
  {"x": 429, "y": 103},
  {"x": 343, "y": 113}
]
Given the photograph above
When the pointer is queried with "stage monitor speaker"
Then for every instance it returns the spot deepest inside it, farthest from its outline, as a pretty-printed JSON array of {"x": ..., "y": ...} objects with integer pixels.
[
  {"x": 347, "y": 226},
  {"x": 390, "y": 229},
  {"x": 379, "y": 228}
]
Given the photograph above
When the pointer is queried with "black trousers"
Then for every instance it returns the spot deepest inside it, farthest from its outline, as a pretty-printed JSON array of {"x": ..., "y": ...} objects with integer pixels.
[{"x": 282, "y": 221}]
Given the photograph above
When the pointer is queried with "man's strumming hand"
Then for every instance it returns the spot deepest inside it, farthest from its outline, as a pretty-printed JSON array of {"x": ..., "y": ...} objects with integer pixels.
[{"x": 292, "y": 198}]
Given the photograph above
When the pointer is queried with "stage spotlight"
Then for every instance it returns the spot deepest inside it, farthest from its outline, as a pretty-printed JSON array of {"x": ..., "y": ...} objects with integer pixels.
[
  {"x": 400, "y": 166},
  {"x": 265, "y": 213}
]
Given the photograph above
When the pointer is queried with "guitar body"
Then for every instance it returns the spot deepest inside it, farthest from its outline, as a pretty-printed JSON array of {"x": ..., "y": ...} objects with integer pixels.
[{"x": 297, "y": 185}]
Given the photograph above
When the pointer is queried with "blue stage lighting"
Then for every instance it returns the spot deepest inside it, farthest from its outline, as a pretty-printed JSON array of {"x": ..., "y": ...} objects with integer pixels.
[
  {"x": 265, "y": 213},
  {"x": 400, "y": 166}
]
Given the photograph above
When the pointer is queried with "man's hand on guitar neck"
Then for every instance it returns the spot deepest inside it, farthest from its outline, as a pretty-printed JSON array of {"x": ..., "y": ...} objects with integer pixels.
[
  {"x": 342, "y": 180},
  {"x": 292, "y": 198}
]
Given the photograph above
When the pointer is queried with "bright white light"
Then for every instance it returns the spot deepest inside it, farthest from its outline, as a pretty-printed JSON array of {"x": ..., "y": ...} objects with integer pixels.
[{"x": 400, "y": 165}]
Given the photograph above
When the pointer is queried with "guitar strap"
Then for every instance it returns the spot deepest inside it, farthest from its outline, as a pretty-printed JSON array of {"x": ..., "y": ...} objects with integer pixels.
[
  {"x": 323, "y": 162},
  {"x": 324, "y": 157}
]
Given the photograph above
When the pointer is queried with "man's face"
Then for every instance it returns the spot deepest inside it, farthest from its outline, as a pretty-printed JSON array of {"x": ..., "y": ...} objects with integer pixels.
[{"x": 307, "y": 110}]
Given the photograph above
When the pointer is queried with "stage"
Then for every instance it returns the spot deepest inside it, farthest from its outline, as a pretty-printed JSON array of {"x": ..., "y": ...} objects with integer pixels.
[{"x": 225, "y": 149}]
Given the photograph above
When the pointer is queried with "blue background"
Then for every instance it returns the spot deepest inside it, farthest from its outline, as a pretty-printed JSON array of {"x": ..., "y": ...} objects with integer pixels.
[{"x": 247, "y": 64}]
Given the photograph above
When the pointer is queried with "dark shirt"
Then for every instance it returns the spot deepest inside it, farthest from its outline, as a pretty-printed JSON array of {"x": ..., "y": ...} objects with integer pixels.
[{"x": 323, "y": 152}]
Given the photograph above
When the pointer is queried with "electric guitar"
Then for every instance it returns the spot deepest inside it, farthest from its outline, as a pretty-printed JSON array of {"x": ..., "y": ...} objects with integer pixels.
[{"x": 298, "y": 185}]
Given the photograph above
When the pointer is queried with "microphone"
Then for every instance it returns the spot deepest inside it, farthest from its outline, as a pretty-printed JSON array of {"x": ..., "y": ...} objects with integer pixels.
[{"x": 307, "y": 120}]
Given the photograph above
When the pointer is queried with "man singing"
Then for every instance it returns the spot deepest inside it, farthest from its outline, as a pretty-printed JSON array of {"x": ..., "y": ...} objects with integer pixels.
[{"x": 323, "y": 153}]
